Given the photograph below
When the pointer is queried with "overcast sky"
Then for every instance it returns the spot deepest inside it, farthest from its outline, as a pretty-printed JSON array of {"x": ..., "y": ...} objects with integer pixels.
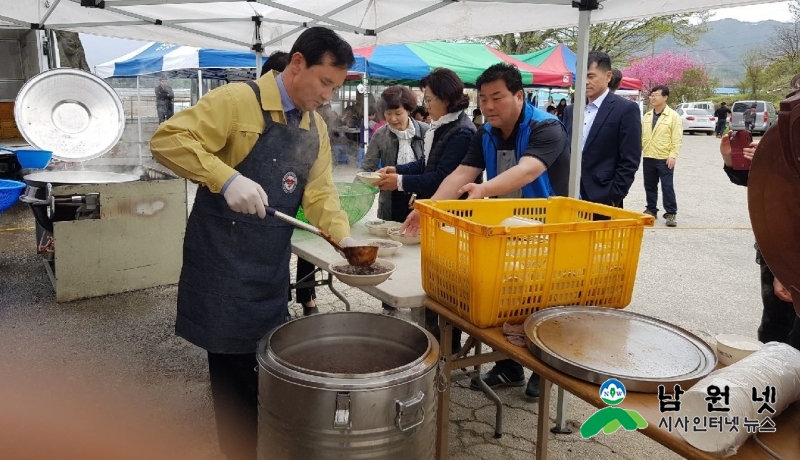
[{"x": 100, "y": 49}]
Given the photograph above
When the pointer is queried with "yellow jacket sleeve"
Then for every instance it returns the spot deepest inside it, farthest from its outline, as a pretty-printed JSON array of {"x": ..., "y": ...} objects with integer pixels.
[
  {"x": 187, "y": 143},
  {"x": 677, "y": 137},
  {"x": 321, "y": 198}
]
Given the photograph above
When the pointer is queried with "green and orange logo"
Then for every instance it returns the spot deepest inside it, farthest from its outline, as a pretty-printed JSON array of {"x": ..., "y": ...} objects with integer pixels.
[{"x": 610, "y": 419}]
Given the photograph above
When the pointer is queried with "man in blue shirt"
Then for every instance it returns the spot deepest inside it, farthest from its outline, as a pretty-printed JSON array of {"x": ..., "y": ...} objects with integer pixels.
[{"x": 525, "y": 153}]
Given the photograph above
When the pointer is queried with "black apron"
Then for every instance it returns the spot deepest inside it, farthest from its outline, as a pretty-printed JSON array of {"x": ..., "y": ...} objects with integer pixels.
[{"x": 235, "y": 274}]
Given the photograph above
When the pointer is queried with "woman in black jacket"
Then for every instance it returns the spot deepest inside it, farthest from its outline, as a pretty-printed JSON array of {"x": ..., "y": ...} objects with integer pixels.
[{"x": 446, "y": 141}]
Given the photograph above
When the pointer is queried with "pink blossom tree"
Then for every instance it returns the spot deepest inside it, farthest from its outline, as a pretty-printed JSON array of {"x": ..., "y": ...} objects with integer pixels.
[{"x": 662, "y": 69}]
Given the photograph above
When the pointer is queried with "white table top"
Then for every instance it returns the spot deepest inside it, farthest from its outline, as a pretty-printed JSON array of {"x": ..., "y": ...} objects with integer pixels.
[{"x": 402, "y": 290}]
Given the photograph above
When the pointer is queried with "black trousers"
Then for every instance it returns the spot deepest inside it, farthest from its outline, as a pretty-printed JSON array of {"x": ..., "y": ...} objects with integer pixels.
[
  {"x": 305, "y": 294},
  {"x": 779, "y": 322},
  {"x": 234, "y": 390},
  {"x": 655, "y": 170},
  {"x": 721, "y": 124}
]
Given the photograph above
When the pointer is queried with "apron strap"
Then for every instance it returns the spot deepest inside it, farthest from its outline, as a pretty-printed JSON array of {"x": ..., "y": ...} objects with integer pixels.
[{"x": 257, "y": 91}]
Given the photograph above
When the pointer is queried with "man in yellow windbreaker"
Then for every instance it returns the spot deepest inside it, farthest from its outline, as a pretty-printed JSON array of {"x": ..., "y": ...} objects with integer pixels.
[
  {"x": 662, "y": 137},
  {"x": 250, "y": 145}
]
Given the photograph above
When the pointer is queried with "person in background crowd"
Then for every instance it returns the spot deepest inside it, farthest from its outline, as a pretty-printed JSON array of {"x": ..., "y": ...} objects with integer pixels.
[
  {"x": 419, "y": 114},
  {"x": 779, "y": 321},
  {"x": 165, "y": 101},
  {"x": 477, "y": 118},
  {"x": 616, "y": 80},
  {"x": 562, "y": 105},
  {"x": 722, "y": 114},
  {"x": 525, "y": 153},
  {"x": 749, "y": 117},
  {"x": 662, "y": 137},
  {"x": 251, "y": 145},
  {"x": 551, "y": 109}
]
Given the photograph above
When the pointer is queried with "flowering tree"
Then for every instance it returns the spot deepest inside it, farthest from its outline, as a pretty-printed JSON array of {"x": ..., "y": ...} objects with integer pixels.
[
  {"x": 684, "y": 78},
  {"x": 662, "y": 69}
]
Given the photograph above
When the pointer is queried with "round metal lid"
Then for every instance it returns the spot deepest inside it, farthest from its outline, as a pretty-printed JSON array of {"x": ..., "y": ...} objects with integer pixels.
[
  {"x": 77, "y": 177},
  {"x": 72, "y": 113},
  {"x": 595, "y": 344}
]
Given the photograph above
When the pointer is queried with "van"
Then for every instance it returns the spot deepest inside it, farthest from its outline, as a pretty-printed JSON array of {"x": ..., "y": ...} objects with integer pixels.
[
  {"x": 705, "y": 105},
  {"x": 766, "y": 115}
]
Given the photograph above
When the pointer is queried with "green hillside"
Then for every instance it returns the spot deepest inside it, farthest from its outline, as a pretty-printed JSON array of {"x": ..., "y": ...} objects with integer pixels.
[{"x": 720, "y": 49}]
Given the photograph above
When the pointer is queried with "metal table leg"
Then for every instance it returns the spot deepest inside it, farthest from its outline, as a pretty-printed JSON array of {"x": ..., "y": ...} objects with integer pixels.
[
  {"x": 443, "y": 386},
  {"x": 561, "y": 413},
  {"x": 310, "y": 280},
  {"x": 544, "y": 419}
]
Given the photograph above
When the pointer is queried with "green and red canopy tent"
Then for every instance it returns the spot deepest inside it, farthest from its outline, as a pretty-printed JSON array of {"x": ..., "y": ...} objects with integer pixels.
[
  {"x": 560, "y": 58},
  {"x": 405, "y": 63}
]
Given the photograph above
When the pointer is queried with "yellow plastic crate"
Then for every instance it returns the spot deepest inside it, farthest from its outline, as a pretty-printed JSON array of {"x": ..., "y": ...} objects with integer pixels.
[{"x": 491, "y": 274}]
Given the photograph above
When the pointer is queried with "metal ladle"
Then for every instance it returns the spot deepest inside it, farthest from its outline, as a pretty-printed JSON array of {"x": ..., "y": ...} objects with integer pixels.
[{"x": 359, "y": 256}]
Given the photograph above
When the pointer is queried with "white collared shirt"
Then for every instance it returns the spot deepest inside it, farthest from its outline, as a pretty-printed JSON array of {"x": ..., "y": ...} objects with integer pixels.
[{"x": 590, "y": 113}]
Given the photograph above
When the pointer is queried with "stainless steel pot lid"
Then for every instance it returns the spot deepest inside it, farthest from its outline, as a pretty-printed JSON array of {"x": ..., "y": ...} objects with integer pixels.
[
  {"x": 595, "y": 344},
  {"x": 72, "y": 113},
  {"x": 40, "y": 179}
]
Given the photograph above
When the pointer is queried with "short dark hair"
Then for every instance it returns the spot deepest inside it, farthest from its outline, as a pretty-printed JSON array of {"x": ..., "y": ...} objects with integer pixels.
[
  {"x": 445, "y": 85},
  {"x": 395, "y": 97},
  {"x": 315, "y": 42},
  {"x": 507, "y": 72},
  {"x": 420, "y": 110},
  {"x": 601, "y": 59},
  {"x": 663, "y": 88},
  {"x": 276, "y": 61},
  {"x": 476, "y": 112},
  {"x": 724, "y": 103},
  {"x": 616, "y": 79},
  {"x": 551, "y": 109}
]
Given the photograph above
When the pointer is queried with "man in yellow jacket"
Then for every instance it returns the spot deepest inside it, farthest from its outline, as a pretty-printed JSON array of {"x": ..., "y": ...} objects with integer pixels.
[
  {"x": 662, "y": 137},
  {"x": 250, "y": 145}
]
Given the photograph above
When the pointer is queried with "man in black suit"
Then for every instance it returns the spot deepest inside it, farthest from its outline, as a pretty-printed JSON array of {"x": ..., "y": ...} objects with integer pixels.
[{"x": 612, "y": 137}]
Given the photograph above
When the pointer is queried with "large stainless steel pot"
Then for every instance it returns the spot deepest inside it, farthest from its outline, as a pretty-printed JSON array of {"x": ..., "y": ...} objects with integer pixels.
[
  {"x": 347, "y": 385},
  {"x": 48, "y": 208}
]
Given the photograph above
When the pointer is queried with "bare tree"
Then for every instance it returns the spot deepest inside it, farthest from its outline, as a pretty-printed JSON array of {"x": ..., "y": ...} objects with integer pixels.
[
  {"x": 785, "y": 43},
  {"x": 620, "y": 39},
  {"x": 755, "y": 65},
  {"x": 70, "y": 50}
]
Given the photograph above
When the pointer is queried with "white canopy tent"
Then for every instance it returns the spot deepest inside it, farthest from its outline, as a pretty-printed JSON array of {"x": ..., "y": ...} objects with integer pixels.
[{"x": 275, "y": 24}]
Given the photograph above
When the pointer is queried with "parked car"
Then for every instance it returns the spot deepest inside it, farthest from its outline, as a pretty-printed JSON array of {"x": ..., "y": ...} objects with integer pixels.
[
  {"x": 766, "y": 115},
  {"x": 705, "y": 105},
  {"x": 697, "y": 121}
]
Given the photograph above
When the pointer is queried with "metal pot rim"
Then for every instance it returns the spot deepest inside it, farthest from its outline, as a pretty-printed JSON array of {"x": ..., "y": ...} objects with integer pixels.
[{"x": 273, "y": 363}]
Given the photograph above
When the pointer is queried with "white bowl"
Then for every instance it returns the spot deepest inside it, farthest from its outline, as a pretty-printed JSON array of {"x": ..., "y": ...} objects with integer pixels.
[
  {"x": 394, "y": 233},
  {"x": 361, "y": 280},
  {"x": 369, "y": 178},
  {"x": 379, "y": 227},
  {"x": 732, "y": 347},
  {"x": 385, "y": 247}
]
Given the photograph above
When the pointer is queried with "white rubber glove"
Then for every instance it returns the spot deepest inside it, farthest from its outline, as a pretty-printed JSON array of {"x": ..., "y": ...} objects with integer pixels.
[
  {"x": 348, "y": 242},
  {"x": 246, "y": 196}
]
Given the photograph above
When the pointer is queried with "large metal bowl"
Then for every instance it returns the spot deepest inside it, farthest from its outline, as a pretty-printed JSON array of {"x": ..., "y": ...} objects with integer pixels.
[{"x": 72, "y": 113}]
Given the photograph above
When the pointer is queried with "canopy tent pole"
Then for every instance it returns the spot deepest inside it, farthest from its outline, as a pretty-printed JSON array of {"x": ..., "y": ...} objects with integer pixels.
[
  {"x": 199, "y": 84},
  {"x": 584, "y": 23},
  {"x": 258, "y": 47},
  {"x": 139, "y": 118},
  {"x": 365, "y": 82}
]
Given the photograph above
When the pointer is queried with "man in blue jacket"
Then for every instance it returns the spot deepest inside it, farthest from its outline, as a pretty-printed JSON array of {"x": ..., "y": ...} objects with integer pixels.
[
  {"x": 612, "y": 137},
  {"x": 525, "y": 153}
]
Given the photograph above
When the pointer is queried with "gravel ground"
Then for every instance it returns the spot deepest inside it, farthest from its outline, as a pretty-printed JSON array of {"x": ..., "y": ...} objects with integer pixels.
[{"x": 110, "y": 370}]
